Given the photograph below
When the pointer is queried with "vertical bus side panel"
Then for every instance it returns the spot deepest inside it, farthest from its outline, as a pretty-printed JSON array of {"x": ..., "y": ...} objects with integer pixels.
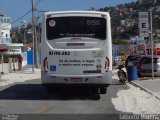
[
  {"x": 43, "y": 46},
  {"x": 109, "y": 41}
]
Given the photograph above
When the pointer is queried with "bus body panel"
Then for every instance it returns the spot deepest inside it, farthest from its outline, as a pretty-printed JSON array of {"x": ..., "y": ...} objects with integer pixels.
[{"x": 76, "y": 60}]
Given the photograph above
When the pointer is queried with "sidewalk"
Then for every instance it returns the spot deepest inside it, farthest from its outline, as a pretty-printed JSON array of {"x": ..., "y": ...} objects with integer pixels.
[
  {"x": 19, "y": 76},
  {"x": 150, "y": 86}
]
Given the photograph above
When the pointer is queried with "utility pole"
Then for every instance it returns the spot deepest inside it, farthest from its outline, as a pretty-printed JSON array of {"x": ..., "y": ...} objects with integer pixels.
[
  {"x": 36, "y": 47},
  {"x": 33, "y": 34},
  {"x": 35, "y": 37},
  {"x": 151, "y": 38}
]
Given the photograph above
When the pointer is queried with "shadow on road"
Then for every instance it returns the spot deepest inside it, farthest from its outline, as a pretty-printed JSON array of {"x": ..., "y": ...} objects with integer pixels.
[{"x": 38, "y": 92}]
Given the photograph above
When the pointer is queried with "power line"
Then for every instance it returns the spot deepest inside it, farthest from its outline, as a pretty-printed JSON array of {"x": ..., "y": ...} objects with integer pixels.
[{"x": 22, "y": 15}]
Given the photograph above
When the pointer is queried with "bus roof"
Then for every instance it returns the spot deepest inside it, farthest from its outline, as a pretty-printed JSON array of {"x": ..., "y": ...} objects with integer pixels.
[{"x": 77, "y": 12}]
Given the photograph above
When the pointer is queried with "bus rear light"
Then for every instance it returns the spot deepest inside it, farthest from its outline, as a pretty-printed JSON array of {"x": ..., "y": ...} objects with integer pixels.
[
  {"x": 107, "y": 64},
  {"x": 45, "y": 64}
]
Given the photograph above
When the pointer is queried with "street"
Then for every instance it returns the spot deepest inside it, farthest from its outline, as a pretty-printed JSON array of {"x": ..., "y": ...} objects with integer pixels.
[
  {"x": 22, "y": 96},
  {"x": 80, "y": 43},
  {"x": 32, "y": 98}
]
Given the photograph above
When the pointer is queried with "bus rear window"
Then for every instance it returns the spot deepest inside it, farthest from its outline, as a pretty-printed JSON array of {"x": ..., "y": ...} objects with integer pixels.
[{"x": 90, "y": 27}]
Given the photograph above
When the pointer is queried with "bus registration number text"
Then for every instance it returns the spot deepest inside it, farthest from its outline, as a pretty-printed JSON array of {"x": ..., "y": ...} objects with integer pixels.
[{"x": 59, "y": 53}]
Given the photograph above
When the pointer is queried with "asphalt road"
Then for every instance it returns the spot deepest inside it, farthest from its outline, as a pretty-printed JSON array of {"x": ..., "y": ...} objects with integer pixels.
[{"x": 31, "y": 98}]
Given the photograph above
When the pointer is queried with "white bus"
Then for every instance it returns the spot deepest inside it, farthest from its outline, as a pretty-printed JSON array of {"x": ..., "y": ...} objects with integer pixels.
[{"x": 76, "y": 50}]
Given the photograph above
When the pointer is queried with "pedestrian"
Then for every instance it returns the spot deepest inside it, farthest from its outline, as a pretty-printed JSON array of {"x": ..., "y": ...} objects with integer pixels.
[{"x": 20, "y": 59}]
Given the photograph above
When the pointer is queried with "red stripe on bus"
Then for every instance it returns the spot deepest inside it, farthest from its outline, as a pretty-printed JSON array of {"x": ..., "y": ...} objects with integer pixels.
[{"x": 45, "y": 64}]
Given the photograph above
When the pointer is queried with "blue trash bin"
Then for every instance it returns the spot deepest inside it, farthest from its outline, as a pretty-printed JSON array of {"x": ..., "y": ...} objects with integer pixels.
[{"x": 132, "y": 73}]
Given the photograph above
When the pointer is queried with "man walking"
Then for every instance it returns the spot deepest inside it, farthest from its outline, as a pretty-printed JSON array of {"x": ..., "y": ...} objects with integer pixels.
[{"x": 20, "y": 59}]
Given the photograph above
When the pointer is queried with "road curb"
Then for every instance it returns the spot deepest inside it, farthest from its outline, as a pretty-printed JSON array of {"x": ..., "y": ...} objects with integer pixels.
[{"x": 145, "y": 89}]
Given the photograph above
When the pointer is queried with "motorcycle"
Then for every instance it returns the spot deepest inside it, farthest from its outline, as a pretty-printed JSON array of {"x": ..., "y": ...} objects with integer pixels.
[{"x": 122, "y": 75}]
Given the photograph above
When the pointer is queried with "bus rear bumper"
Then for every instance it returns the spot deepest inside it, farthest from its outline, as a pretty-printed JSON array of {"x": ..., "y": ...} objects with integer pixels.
[{"x": 98, "y": 79}]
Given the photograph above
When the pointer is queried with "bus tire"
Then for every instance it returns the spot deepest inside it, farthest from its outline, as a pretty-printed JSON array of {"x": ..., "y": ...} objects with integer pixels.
[{"x": 103, "y": 90}]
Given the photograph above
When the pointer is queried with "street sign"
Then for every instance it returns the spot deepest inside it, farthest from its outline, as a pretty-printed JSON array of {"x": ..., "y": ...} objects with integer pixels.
[{"x": 143, "y": 24}]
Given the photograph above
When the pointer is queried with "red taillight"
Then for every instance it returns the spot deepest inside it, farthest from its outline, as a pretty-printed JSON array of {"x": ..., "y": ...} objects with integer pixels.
[
  {"x": 45, "y": 64},
  {"x": 107, "y": 64}
]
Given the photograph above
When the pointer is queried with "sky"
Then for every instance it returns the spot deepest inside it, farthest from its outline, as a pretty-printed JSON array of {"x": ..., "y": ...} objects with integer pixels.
[{"x": 17, "y": 8}]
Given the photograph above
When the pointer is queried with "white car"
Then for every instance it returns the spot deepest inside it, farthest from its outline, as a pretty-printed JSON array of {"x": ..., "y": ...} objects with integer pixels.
[{"x": 146, "y": 68}]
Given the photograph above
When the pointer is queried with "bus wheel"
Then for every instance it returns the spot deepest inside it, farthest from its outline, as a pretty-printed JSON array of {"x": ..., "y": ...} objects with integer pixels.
[{"x": 103, "y": 90}]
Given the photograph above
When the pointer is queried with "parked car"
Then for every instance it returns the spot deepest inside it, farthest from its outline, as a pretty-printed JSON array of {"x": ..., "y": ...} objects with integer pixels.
[
  {"x": 146, "y": 67},
  {"x": 135, "y": 60}
]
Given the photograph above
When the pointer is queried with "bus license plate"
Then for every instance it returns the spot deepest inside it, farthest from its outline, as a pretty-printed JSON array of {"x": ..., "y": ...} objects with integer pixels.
[{"x": 76, "y": 79}]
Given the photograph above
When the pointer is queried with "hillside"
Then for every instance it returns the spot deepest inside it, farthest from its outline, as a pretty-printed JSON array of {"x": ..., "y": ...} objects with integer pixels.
[{"x": 125, "y": 18}]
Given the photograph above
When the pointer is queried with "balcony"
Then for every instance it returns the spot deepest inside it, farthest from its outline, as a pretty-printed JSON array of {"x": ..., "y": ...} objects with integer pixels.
[
  {"x": 5, "y": 20},
  {"x": 5, "y": 23},
  {"x": 5, "y": 40}
]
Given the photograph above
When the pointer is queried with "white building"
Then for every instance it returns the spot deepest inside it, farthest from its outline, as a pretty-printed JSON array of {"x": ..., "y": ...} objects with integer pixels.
[
  {"x": 6, "y": 45},
  {"x": 5, "y": 39},
  {"x": 5, "y": 27}
]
